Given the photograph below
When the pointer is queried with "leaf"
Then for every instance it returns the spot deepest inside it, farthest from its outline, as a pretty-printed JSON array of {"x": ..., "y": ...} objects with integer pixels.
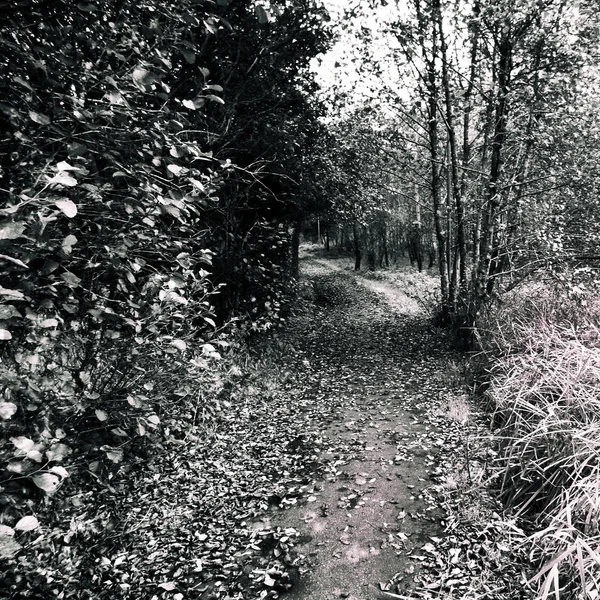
[
  {"x": 169, "y": 296},
  {"x": 23, "y": 443},
  {"x": 8, "y": 547},
  {"x": 63, "y": 165},
  {"x": 101, "y": 415},
  {"x": 263, "y": 16},
  {"x": 11, "y": 231},
  {"x": 71, "y": 279},
  {"x": 46, "y": 481},
  {"x": 16, "y": 261},
  {"x": 113, "y": 454},
  {"x": 39, "y": 118},
  {"x": 24, "y": 83},
  {"x": 35, "y": 455},
  {"x": 5, "y": 334},
  {"x": 12, "y": 293},
  {"x": 215, "y": 99},
  {"x": 142, "y": 77},
  {"x": 46, "y": 323},
  {"x": 175, "y": 169},
  {"x": 189, "y": 56},
  {"x": 6, "y": 530},
  {"x": 7, "y": 410},
  {"x": 154, "y": 419},
  {"x": 67, "y": 206},
  {"x": 60, "y": 471},
  {"x": 86, "y": 6},
  {"x": 189, "y": 104},
  {"x": 63, "y": 178},
  {"x": 68, "y": 243},
  {"x": 27, "y": 524},
  {"x": 179, "y": 344},
  {"x": 268, "y": 580},
  {"x": 8, "y": 311},
  {"x": 168, "y": 586},
  {"x": 58, "y": 452}
]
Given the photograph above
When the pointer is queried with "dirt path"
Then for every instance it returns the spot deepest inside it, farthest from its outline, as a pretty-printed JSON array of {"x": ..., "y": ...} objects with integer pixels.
[
  {"x": 396, "y": 298},
  {"x": 368, "y": 353}
]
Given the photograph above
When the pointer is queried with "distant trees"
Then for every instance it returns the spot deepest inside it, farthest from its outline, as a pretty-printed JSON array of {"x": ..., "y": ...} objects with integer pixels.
[{"x": 485, "y": 100}]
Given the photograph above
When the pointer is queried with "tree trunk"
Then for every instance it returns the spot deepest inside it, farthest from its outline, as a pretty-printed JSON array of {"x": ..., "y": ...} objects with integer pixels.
[
  {"x": 460, "y": 259},
  {"x": 295, "y": 259},
  {"x": 430, "y": 57},
  {"x": 357, "y": 252},
  {"x": 487, "y": 267}
]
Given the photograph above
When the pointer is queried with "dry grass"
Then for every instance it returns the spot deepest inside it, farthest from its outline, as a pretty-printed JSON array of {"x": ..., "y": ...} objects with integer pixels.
[{"x": 545, "y": 386}]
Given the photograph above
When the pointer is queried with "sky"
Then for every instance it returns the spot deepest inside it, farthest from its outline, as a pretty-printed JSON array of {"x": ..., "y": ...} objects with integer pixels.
[{"x": 339, "y": 68}]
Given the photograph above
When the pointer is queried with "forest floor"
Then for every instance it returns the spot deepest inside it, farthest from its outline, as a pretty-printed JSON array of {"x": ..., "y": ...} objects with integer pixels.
[
  {"x": 396, "y": 511},
  {"x": 343, "y": 458}
]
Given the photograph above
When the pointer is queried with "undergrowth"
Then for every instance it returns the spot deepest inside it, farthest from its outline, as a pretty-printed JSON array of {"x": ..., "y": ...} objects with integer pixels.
[{"x": 543, "y": 351}]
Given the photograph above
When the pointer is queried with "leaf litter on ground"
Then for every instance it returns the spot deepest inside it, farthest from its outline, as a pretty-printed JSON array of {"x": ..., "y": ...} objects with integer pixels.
[{"x": 199, "y": 517}]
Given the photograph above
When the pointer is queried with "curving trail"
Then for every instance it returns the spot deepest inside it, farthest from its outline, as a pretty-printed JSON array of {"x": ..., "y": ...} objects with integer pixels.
[{"x": 369, "y": 356}]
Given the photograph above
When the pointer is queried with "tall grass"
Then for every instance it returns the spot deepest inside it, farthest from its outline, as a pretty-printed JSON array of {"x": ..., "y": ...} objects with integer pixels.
[{"x": 544, "y": 352}]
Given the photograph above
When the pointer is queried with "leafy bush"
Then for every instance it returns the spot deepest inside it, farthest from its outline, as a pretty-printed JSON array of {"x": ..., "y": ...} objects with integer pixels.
[{"x": 127, "y": 241}]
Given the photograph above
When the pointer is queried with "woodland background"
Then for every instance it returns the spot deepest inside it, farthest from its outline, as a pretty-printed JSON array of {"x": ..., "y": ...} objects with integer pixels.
[{"x": 161, "y": 162}]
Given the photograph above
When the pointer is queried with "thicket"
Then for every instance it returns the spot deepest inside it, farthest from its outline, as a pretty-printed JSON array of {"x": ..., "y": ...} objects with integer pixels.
[
  {"x": 541, "y": 351},
  {"x": 151, "y": 182}
]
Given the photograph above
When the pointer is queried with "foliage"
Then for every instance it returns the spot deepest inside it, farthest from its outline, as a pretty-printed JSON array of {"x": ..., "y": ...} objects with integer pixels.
[
  {"x": 544, "y": 386},
  {"x": 478, "y": 114},
  {"x": 142, "y": 209}
]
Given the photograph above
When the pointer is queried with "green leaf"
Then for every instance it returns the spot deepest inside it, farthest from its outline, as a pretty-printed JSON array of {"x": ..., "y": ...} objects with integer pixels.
[
  {"x": 27, "y": 524},
  {"x": 11, "y": 231},
  {"x": 67, "y": 206},
  {"x": 5, "y": 334}
]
